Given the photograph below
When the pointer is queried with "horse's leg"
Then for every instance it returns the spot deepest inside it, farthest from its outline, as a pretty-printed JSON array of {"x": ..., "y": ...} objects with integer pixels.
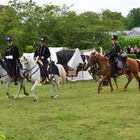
[
  {"x": 20, "y": 88},
  {"x": 110, "y": 83},
  {"x": 24, "y": 89},
  {"x": 7, "y": 89},
  {"x": 130, "y": 77},
  {"x": 33, "y": 90},
  {"x": 57, "y": 80},
  {"x": 138, "y": 79},
  {"x": 25, "y": 92},
  {"x": 101, "y": 82},
  {"x": 0, "y": 85},
  {"x": 115, "y": 80},
  {"x": 53, "y": 86}
]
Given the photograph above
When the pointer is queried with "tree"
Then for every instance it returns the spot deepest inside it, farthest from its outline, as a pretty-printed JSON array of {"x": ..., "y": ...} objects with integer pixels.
[
  {"x": 133, "y": 18},
  {"x": 112, "y": 21}
]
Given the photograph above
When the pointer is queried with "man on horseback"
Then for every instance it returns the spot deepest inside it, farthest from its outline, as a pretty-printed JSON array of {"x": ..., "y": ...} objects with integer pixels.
[
  {"x": 11, "y": 59},
  {"x": 114, "y": 54},
  {"x": 43, "y": 53}
]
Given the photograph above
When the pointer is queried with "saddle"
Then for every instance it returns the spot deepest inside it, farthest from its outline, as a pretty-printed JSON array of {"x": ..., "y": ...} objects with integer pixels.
[
  {"x": 53, "y": 69},
  {"x": 121, "y": 62}
]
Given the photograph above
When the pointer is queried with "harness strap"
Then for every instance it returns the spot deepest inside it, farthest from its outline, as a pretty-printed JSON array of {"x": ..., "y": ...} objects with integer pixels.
[
  {"x": 1, "y": 76},
  {"x": 33, "y": 73}
]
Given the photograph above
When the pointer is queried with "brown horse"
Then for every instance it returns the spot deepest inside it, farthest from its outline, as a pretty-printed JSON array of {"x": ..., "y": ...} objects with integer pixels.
[{"x": 131, "y": 72}]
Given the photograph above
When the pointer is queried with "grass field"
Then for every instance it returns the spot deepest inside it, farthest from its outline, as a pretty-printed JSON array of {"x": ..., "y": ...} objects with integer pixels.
[{"x": 80, "y": 114}]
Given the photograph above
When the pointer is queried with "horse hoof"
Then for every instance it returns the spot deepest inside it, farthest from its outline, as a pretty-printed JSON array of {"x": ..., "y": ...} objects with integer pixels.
[
  {"x": 12, "y": 97},
  {"x": 52, "y": 96},
  {"x": 26, "y": 94},
  {"x": 15, "y": 98},
  {"x": 34, "y": 99},
  {"x": 56, "y": 97},
  {"x": 125, "y": 89},
  {"x": 8, "y": 95}
]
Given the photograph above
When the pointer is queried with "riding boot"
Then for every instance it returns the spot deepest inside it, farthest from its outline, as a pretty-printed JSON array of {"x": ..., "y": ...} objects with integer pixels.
[{"x": 46, "y": 77}]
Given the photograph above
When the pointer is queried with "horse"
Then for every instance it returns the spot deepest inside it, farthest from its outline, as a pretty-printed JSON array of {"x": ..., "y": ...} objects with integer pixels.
[
  {"x": 97, "y": 72},
  {"x": 32, "y": 71},
  {"x": 133, "y": 67},
  {"x": 5, "y": 78}
]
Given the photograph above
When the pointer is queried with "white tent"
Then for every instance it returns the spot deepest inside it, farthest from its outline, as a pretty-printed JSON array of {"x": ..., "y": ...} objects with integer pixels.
[
  {"x": 53, "y": 53},
  {"x": 75, "y": 60},
  {"x": 82, "y": 75},
  {"x": 74, "y": 63}
]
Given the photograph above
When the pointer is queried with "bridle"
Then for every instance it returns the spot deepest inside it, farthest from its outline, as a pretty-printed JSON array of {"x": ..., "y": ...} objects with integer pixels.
[{"x": 27, "y": 70}]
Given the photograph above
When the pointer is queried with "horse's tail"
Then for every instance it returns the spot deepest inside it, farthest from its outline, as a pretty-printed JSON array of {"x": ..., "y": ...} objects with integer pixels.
[
  {"x": 138, "y": 62},
  {"x": 62, "y": 73}
]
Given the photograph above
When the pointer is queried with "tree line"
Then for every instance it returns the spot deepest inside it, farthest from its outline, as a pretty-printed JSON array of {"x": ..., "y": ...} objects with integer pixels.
[{"x": 26, "y": 22}]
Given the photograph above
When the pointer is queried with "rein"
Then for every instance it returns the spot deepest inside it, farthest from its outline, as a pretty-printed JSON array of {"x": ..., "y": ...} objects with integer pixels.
[
  {"x": 1, "y": 76},
  {"x": 27, "y": 71}
]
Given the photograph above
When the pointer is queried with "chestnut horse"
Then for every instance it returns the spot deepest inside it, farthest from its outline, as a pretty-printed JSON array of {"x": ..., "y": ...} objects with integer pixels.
[{"x": 131, "y": 72}]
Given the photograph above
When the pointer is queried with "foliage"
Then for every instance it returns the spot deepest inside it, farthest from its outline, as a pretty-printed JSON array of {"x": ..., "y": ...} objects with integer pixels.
[
  {"x": 132, "y": 56},
  {"x": 26, "y": 22},
  {"x": 29, "y": 49},
  {"x": 125, "y": 42},
  {"x": 132, "y": 19}
]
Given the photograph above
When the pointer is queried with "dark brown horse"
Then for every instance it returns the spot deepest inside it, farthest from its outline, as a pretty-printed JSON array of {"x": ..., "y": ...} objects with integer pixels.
[{"x": 131, "y": 72}]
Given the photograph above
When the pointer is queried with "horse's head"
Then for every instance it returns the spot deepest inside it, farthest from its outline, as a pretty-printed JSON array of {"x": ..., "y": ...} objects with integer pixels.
[
  {"x": 25, "y": 63},
  {"x": 28, "y": 62},
  {"x": 92, "y": 59}
]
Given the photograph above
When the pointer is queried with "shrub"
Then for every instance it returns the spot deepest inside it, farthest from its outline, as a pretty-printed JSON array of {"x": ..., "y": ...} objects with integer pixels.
[
  {"x": 29, "y": 49},
  {"x": 125, "y": 42},
  {"x": 132, "y": 56}
]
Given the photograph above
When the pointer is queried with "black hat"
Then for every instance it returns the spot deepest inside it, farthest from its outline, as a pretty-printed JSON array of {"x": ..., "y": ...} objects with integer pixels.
[
  {"x": 114, "y": 37},
  {"x": 9, "y": 39},
  {"x": 43, "y": 38}
]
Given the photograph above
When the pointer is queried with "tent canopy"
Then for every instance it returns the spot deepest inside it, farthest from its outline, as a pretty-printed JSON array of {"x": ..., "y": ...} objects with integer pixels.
[{"x": 63, "y": 56}]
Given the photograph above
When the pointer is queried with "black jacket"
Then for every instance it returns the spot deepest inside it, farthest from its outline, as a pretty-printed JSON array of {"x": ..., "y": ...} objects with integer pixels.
[
  {"x": 114, "y": 51},
  {"x": 12, "y": 51},
  {"x": 43, "y": 53}
]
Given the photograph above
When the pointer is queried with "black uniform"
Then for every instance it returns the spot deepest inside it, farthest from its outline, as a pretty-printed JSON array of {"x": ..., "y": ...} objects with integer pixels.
[
  {"x": 113, "y": 55},
  {"x": 12, "y": 62},
  {"x": 43, "y": 53}
]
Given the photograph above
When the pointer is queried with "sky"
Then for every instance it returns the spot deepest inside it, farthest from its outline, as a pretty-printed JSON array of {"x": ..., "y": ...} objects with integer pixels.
[{"x": 123, "y": 6}]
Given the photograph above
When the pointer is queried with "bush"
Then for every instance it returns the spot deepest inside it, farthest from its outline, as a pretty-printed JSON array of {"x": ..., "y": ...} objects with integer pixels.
[
  {"x": 29, "y": 49},
  {"x": 132, "y": 56},
  {"x": 125, "y": 42}
]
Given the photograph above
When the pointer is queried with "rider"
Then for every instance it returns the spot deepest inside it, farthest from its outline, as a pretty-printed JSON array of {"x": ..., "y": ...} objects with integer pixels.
[
  {"x": 11, "y": 59},
  {"x": 114, "y": 54},
  {"x": 43, "y": 53}
]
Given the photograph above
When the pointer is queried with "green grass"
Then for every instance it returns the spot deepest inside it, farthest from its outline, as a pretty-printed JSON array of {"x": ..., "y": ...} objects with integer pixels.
[{"x": 80, "y": 114}]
